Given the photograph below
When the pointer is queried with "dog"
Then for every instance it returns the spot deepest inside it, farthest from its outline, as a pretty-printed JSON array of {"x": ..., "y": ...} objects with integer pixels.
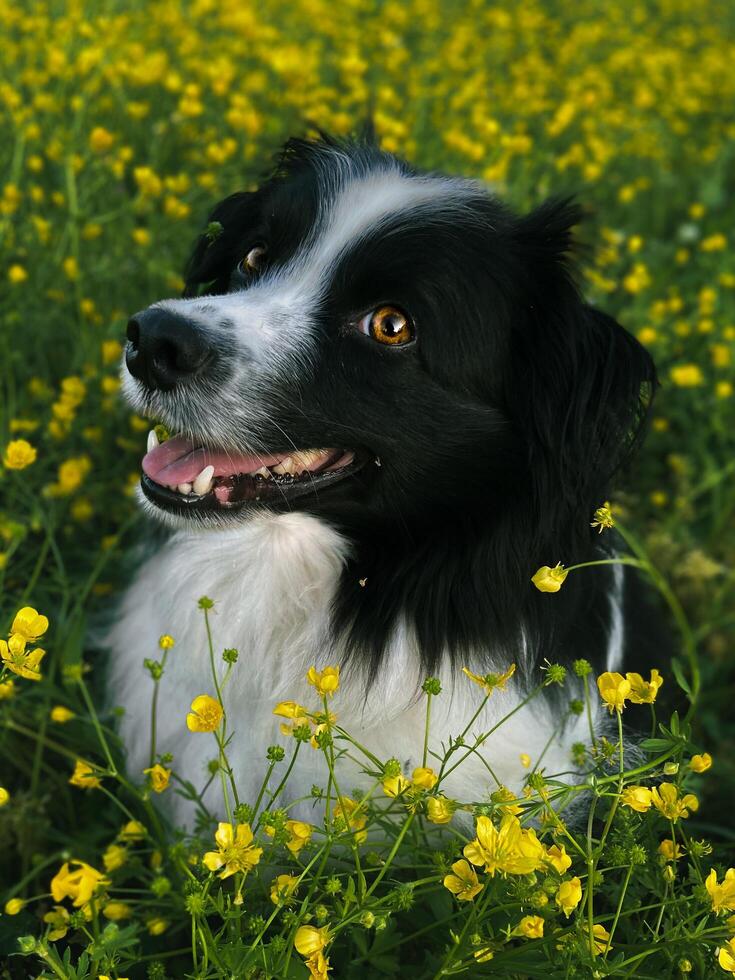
[{"x": 389, "y": 405}]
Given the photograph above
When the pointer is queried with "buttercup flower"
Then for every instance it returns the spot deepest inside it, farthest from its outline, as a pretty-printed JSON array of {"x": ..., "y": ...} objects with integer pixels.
[
  {"x": 424, "y": 778},
  {"x": 283, "y": 888},
  {"x": 548, "y": 579},
  {"x": 726, "y": 956},
  {"x": 439, "y": 809},
  {"x": 58, "y": 919},
  {"x": 61, "y": 714},
  {"x": 14, "y": 906},
  {"x": 637, "y": 798},
  {"x": 510, "y": 848},
  {"x": 24, "y": 663},
  {"x": 133, "y": 830},
  {"x": 236, "y": 851},
  {"x": 603, "y": 517},
  {"x": 83, "y": 776},
  {"x": 18, "y": 454},
  {"x": 569, "y": 895},
  {"x": 299, "y": 835},
  {"x": 642, "y": 691},
  {"x": 29, "y": 624},
  {"x": 395, "y": 785},
  {"x": 463, "y": 882},
  {"x": 309, "y": 939},
  {"x": 114, "y": 857},
  {"x": 166, "y": 642},
  {"x": 348, "y": 814},
  {"x": 558, "y": 858},
  {"x": 117, "y": 911},
  {"x": 530, "y": 926},
  {"x": 491, "y": 682},
  {"x": 325, "y": 682},
  {"x": 667, "y": 800},
  {"x": 80, "y": 885},
  {"x": 157, "y": 925},
  {"x": 4, "y": 796},
  {"x": 614, "y": 689},
  {"x": 600, "y": 938},
  {"x": 722, "y": 895},
  {"x": 158, "y": 777},
  {"x": 700, "y": 763},
  {"x": 205, "y": 715},
  {"x": 669, "y": 850}
]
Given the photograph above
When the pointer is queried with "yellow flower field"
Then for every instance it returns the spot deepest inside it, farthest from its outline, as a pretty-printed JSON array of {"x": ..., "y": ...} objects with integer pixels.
[{"x": 122, "y": 124}]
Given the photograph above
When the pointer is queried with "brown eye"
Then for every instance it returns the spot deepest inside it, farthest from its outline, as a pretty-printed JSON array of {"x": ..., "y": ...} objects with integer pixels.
[
  {"x": 253, "y": 260},
  {"x": 387, "y": 325}
]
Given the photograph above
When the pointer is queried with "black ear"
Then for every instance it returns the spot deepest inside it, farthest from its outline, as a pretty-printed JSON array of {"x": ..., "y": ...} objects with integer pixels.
[
  {"x": 216, "y": 251},
  {"x": 580, "y": 386}
]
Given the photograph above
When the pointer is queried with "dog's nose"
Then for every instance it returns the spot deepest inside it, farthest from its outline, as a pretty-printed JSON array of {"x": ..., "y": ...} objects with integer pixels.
[{"x": 164, "y": 347}]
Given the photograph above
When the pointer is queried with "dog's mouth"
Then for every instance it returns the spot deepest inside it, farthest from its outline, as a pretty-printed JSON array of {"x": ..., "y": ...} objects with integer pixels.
[{"x": 184, "y": 476}]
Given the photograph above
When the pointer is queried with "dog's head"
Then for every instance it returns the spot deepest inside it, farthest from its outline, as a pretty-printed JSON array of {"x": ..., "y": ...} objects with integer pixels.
[{"x": 386, "y": 348}]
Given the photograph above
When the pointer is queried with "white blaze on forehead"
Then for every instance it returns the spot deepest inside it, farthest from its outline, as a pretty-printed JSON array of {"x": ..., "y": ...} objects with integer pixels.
[{"x": 273, "y": 320}]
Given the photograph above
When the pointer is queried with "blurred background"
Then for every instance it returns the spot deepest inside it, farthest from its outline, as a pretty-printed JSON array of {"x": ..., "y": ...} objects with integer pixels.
[{"x": 124, "y": 122}]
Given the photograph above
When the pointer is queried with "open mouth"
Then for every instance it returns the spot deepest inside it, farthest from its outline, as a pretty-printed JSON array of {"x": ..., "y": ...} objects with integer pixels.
[{"x": 184, "y": 476}]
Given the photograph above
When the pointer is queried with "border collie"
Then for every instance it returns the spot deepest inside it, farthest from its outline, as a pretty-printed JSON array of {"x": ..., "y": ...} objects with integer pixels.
[{"x": 390, "y": 406}]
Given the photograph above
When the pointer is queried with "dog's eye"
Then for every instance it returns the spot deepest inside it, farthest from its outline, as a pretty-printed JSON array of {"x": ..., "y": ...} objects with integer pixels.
[
  {"x": 253, "y": 261},
  {"x": 387, "y": 325}
]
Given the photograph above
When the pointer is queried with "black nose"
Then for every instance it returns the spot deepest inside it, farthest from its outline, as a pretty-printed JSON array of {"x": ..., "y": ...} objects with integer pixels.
[{"x": 164, "y": 347}]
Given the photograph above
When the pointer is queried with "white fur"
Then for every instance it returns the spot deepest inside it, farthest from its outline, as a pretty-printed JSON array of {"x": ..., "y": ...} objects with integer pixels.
[{"x": 272, "y": 580}]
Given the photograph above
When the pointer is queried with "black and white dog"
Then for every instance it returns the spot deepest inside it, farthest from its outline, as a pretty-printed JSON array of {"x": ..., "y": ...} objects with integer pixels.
[{"x": 390, "y": 406}]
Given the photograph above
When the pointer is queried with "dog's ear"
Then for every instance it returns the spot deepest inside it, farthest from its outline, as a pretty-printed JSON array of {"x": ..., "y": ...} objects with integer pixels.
[
  {"x": 579, "y": 386},
  {"x": 215, "y": 252}
]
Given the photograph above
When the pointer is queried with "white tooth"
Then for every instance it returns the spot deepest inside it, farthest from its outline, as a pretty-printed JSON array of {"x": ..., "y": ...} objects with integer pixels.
[
  {"x": 152, "y": 440},
  {"x": 203, "y": 483},
  {"x": 184, "y": 488},
  {"x": 264, "y": 472},
  {"x": 308, "y": 456},
  {"x": 286, "y": 465}
]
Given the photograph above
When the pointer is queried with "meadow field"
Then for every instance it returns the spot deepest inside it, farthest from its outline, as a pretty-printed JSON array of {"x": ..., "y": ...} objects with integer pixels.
[{"x": 122, "y": 124}]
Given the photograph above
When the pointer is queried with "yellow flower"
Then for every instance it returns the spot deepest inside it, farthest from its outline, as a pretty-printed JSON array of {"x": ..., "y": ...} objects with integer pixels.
[
  {"x": 114, "y": 857},
  {"x": 569, "y": 895},
  {"x": 641, "y": 691},
  {"x": 29, "y": 624},
  {"x": 100, "y": 139},
  {"x": 18, "y": 455},
  {"x": 157, "y": 925},
  {"x": 7, "y": 690},
  {"x": 61, "y": 714},
  {"x": 614, "y": 689},
  {"x": 395, "y": 785},
  {"x": 117, "y": 911},
  {"x": 283, "y": 888},
  {"x": 687, "y": 375},
  {"x": 525, "y": 759},
  {"x": 236, "y": 851},
  {"x": 463, "y": 883},
  {"x": 510, "y": 848},
  {"x": 158, "y": 777},
  {"x": 558, "y": 858},
  {"x": 58, "y": 919},
  {"x": 603, "y": 517},
  {"x": 489, "y": 682},
  {"x": 24, "y": 663},
  {"x": 17, "y": 274},
  {"x": 299, "y": 835},
  {"x": 309, "y": 939},
  {"x": 666, "y": 799},
  {"x": 79, "y": 885},
  {"x": 700, "y": 763},
  {"x": 14, "y": 906},
  {"x": 318, "y": 966},
  {"x": 548, "y": 579},
  {"x": 133, "y": 830},
  {"x": 638, "y": 798},
  {"x": 83, "y": 776},
  {"x": 70, "y": 476},
  {"x": 722, "y": 896},
  {"x": 530, "y": 926},
  {"x": 424, "y": 778},
  {"x": 4, "y": 796},
  {"x": 297, "y": 714},
  {"x": 206, "y": 714},
  {"x": 600, "y": 937},
  {"x": 670, "y": 850},
  {"x": 348, "y": 815},
  {"x": 326, "y": 682},
  {"x": 166, "y": 642},
  {"x": 439, "y": 809}
]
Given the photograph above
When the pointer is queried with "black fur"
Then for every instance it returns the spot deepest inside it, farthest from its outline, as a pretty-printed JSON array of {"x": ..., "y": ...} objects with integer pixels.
[{"x": 498, "y": 431}]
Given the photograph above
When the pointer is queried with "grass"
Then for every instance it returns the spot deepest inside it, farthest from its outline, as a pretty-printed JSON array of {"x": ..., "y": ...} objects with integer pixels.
[{"x": 124, "y": 123}]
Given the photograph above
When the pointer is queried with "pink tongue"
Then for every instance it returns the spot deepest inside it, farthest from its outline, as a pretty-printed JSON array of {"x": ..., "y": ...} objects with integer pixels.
[{"x": 180, "y": 461}]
